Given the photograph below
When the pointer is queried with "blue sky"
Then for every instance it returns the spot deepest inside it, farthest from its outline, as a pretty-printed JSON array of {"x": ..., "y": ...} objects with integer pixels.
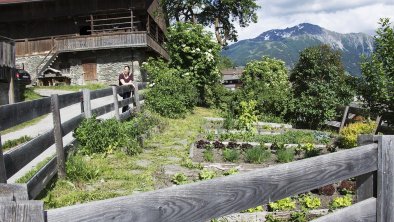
[{"x": 343, "y": 16}]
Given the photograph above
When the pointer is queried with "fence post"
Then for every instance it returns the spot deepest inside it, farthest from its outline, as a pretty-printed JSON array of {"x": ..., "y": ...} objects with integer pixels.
[
  {"x": 58, "y": 135},
  {"x": 344, "y": 118},
  {"x": 3, "y": 175},
  {"x": 366, "y": 183},
  {"x": 116, "y": 102},
  {"x": 82, "y": 110},
  {"x": 86, "y": 103},
  {"x": 136, "y": 98},
  {"x": 385, "y": 198}
]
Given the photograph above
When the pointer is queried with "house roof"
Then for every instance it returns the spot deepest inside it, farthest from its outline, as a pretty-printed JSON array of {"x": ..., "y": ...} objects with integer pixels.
[{"x": 235, "y": 71}]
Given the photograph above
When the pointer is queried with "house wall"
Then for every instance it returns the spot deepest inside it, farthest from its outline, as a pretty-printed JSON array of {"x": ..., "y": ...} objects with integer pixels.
[{"x": 30, "y": 63}]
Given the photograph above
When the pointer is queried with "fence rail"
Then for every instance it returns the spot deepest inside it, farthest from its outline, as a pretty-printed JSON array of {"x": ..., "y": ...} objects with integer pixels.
[{"x": 12, "y": 115}]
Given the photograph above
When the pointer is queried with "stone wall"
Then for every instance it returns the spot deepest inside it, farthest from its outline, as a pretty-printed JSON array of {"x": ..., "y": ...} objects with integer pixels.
[{"x": 30, "y": 63}]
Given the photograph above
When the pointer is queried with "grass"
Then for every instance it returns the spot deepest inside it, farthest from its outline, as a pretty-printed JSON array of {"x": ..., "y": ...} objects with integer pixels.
[
  {"x": 93, "y": 86},
  {"x": 32, "y": 172},
  {"x": 119, "y": 174},
  {"x": 13, "y": 143},
  {"x": 257, "y": 155},
  {"x": 30, "y": 95},
  {"x": 23, "y": 125},
  {"x": 230, "y": 155},
  {"x": 208, "y": 155},
  {"x": 285, "y": 155}
]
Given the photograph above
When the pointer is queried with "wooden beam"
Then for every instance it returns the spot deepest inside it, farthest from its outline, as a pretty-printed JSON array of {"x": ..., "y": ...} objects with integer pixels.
[
  {"x": 116, "y": 102},
  {"x": 385, "y": 198},
  {"x": 87, "y": 107},
  {"x": 364, "y": 211},
  {"x": 204, "y": 200},
  {"x": 3, "y": 174},
  {"x": 103, "y": 109},
  {"x": 100, "y": 93},
  {"x": 344, "y": 118},
  {"x": 13, "y": 192},
  {"x": 58, "y": 136},
  {"x": 22, "y": 211}
]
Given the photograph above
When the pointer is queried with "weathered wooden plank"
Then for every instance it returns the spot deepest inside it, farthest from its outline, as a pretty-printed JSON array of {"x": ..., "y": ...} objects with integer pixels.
[
  {"x": 100, "y": 93},
  {"x": 126, "y": 102},
  {"x": 222, "y": 196},
  {"x": 142, "y": 85},
  {"x": 344, "y": 118},
  {"x": 87, "y": 106},
  {"x": 42, "y": 178},
  {"x": 69, "y": 99},
  {"x": 3, "y": 175},
  {"x": 116, "y": 101},
  {"x": 58, "y": 136},
  {"x": 124, "y": 88},
  {"x": 72, "y": 124},
  {"x": 16, "y": 159},
  {"x": 13, "y": 192},
  {"x": 385, "y": 196},
  {"x": 364, "y": 211},
  {"x": 22, "y": 211},
  {"x": 103, "y": 109},
  {"x": 137, "y": 103},
  {"x": 14, "y": 114}
]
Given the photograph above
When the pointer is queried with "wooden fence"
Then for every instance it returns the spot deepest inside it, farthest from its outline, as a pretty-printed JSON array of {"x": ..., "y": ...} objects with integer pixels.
[
  {"x": 12, "y": 115},
  {"x": 372, "y": 164}
]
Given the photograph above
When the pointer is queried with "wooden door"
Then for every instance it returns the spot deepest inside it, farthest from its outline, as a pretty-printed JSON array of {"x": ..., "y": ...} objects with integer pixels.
[{"x": 90, "y": 69}]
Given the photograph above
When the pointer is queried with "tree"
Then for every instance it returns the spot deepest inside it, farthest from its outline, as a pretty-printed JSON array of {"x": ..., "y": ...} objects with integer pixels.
[
  {"x": 218, "y": 13},
  {"x": 378, "y": 71},
  {"x": 267, "y": 82},
  {"x": 319, "y": 85},
  {"x": 192, "y": 50}
]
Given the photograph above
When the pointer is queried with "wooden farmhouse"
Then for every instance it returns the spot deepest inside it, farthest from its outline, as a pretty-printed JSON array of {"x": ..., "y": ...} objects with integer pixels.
[{"x": 83, "y": 41}]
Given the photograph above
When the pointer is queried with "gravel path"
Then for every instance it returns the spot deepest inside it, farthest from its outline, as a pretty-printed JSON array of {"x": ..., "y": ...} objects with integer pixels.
[{"x": 47, "y": 123}]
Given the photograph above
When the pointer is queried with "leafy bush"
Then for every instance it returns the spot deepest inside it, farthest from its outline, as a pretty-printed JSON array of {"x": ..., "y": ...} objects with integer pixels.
[
  {"x": 230, "y": 155},
  {"x": 257, "y": 155},
  {"x": 179, "y": 179},
  {"x": 247, "y": 117},
  {"x": 284, "y": 204},
  {"x": 340, "y": 202},
  {"x": 285, "y": 155},
  {"x": 348, "y": 135},
  {"x": 319, "y": 85},
  {"x": 266, "y": 81},
  {"x": 309, "y": 202},
  {"x": 78, "y": 169},
  {"x": 206, "y": 174},
  {"x": 208, "y": 155},
  {"x": 170, "y": 94}
]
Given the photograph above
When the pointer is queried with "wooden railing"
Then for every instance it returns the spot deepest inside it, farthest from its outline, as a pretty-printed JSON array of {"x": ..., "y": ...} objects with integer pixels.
[{"x": 12, "y": 115}]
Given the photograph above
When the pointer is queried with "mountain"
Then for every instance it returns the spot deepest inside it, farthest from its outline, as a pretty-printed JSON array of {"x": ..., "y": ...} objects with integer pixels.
[{"x": 286, "y": 44}]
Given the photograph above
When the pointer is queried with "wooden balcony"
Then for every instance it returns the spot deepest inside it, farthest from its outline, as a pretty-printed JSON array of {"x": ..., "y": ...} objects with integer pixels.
[{"x": 135, "y": 39}]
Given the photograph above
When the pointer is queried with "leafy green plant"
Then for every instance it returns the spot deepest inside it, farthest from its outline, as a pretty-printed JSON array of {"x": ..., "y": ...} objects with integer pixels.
[
  {"x": 206, "y": 174},
  {"x": 340, "y": 202},
  {"x": 253, "y": 209},
  {"x": 348, "y": 135},
  {"x": 188, "y": 163},
  {"x": 283, "y": 204},
  {"x": 285, "y": 155},
  {"x": 230, "y": 155},
  {"x": 231, "y": 171},
  {"x": 299, "y": 216},
  {"x": 79, "y": 169},
  {"x": 257, "y": 155},
  {"x": 208, "y": 155},
  {"x": 309, "y": 202},
  {"x": 179, "y": 179},
  {"x": 272, "y": 218},
  {"x": 247, "y": 117},
  {"x": 310, "y": 150}
]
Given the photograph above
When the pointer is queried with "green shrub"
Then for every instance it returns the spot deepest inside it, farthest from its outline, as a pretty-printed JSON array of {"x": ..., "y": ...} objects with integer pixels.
[
  {"x": 308, "y": 202},
  {"x": 247, "y": 117},
  {"x": 284, "y": 204},
  {"x": 257, "y": 155},
  {"x": 79, "y": 169},
  {"x": 348, "y": 135},
  {"x": 340, "y": 202},
  {"x": 179, "y": 178},
  {"x": 208, "y": 155},
  {"x": 285, "y": 155},
  {"x": 206, "y": 174},
  {"x": 230, "y": 155}
]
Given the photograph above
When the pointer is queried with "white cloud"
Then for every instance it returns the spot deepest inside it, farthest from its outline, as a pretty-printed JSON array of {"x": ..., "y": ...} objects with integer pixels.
[{"x": 340, "y": 16}]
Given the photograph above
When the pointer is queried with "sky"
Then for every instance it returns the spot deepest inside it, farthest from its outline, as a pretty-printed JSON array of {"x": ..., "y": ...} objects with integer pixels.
[{"x": 343, "y": 16}]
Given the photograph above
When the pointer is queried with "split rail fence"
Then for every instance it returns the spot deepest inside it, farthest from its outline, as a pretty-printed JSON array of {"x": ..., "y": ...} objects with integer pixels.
[{"x": 15, "y": 114}]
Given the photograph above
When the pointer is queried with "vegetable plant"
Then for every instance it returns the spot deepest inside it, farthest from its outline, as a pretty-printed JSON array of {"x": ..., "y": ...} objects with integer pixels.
[
  {"x": 231, "y": 171},
  {"x": 253, "y": 209},
  {"x": 179, "y": 178},
  {"x": 230, "y": 155},
  {"x": 285, "y": 155},
  {"x": 340, "y": 202},
  {"x": 310, "y": 202},
  {"x": 257, "y": 155},
  {"x": 206, "y": 174},
  {"x": 299, "y": 216},
  {"x": 208, "y": 155},
  {"x": 283, "y": 204}
]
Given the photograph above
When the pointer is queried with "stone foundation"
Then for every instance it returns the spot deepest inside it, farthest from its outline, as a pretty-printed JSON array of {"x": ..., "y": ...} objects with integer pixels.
[{"x": 30, "y": 63}]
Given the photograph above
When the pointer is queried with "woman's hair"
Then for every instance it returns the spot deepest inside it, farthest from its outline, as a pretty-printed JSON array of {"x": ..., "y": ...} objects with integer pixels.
[{"x": 127, "y": 66}]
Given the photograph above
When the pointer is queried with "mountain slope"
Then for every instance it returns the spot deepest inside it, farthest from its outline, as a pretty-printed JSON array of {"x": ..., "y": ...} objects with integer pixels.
[{"x": 285, "y": 44}]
